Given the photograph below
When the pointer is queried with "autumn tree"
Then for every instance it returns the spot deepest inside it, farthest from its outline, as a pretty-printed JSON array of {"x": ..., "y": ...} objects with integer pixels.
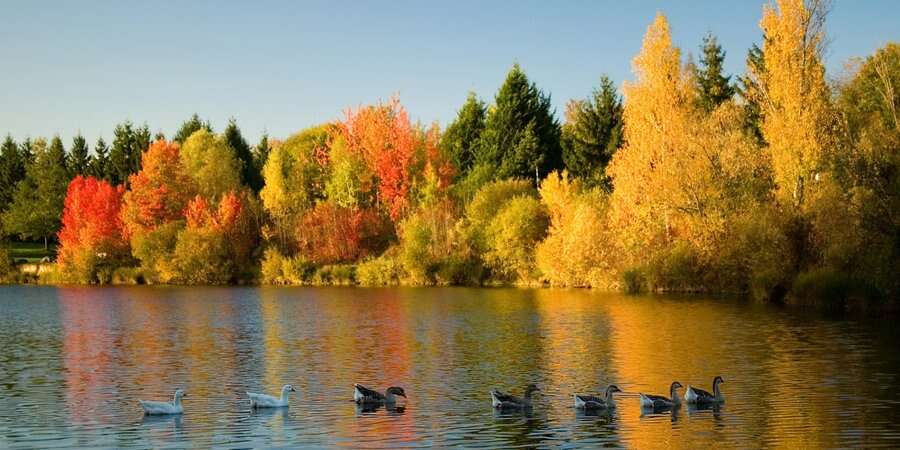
[
  {"x": 461, "y": 138},
  {"x": 92, "y": 230},
  {"x": 329, "y": 233},
  {"x": 713, "y": 86},
  {"x": 592, "y": 132},
  {"x": 797, "y": 119},
  {"x": 210, "y": 161},
  {"x": 125, "y": 154},
  {"x": 189, "y": 127},
  {"x": 38, "y": 200},
  {"x": 159, "y": 191},
  {"x": 521, "y": 136}
]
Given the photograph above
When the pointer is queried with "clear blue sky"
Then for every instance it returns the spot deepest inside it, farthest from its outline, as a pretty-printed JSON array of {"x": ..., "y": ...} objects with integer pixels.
[{"x": 284, "y": 65}]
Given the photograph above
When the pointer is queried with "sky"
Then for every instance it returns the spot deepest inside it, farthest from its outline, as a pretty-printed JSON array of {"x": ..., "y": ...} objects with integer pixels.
[{"x": 280, "y": 66}]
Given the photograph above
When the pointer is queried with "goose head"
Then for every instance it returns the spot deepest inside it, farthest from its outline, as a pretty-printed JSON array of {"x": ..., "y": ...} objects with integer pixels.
[
  {"x": 179, "y": 394},
  {"x": 675, "y": 385},
  {"x": 394, "y": 390},
  {"x": 287, "y": 388},
  {"x": 531, "y": 388},
  {"x": 611, "y": 389},
  {"x": 718, "y": 380}
]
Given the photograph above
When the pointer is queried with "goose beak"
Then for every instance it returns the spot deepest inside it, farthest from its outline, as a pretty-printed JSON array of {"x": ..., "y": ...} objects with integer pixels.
[
  {"x": 402, "y": 394},
  {"x": 293, "y": 390}
]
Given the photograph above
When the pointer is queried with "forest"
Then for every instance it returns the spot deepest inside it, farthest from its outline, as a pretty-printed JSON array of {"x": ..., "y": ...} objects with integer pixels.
[{"x": 781, "y": 183}]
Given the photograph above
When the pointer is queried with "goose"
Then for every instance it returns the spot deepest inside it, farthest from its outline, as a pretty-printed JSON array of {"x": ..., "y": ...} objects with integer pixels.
[
  {"x": 659, "y": 401},
  {"x": 364, "y": 395},
  {"x": 268, "y": 401},
  {"x": 699, "y": 396},
  {"x": 499, "y": 400},
  {"x": 160, "y": 408},
  {"x": 593, "y": 402}
]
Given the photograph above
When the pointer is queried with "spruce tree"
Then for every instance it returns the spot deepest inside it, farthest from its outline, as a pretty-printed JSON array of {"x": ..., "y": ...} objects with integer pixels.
[
  {"x": 752, "y": 91},
  {"x": 38, "y": 200},
  {"x": 188, "y": 127},
  {"x": 261, "y": 154},
  {"x": 12, "y": 170},
  {"x": 79, "y": 157},
  {"x": 521, "y": 136},
  {"x": 127, "y": 148},
  {"x": 462, "y": 136},
  {"x": 100, "y": 161},
  {"x": 714, "y": 87},
  {"x": 57, "y": 148},
  {"x": 250, "y": 176},
  {"x": 592, "y": 132}
]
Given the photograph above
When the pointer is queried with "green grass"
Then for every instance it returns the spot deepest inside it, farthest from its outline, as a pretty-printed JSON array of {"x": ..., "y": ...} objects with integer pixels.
[{"x": 30, "y": 251}]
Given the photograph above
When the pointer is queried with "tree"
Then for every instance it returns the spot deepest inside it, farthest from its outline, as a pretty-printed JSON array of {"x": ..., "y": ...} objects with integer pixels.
[
  {"x": 461, "y": 137},
  {"x": 38, "y": 199},
  {"x": 250, "y": 174},
  {"x": 592, "y": 132},
  {"x": 100, "y": 161},
  {"x": 125, "y": 155},
  {"x": 261, "y": 154},
  {"x": 329, "y": 234},
  {"x": 92, "y": 231},
  {"x": 211, "y": 163},
  {"x": 512, "y": 235},
  {"x": 797, "y": 118},
  {"x": 79, "y": 158},
  {"x": 57, "y": 148},
  {"x": 189, "y": 127},
  {"x": 712, "y": 85},
  {"x": 159, "y": 191},
  {"x": 521, "y": 136},
  {"x": 12, "y": 170},
  {"x": 751, "y": 92}
]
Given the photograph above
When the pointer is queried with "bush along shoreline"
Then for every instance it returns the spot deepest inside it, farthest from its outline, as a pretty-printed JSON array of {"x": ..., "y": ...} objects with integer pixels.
[{"x": 775, "y": 184}]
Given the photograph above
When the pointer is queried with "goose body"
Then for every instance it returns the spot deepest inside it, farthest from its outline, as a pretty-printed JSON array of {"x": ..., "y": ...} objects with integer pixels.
[
  {"x": 696, "y": 396},
  {"x": 595, "y": 402},
  {"x": 501, "y": 400},
  {"x": 268, "y": 401},
  {"x": 660, "y": 401},
  {"x": 363, "y": 395},
  {"x": 164, "y": 408}
]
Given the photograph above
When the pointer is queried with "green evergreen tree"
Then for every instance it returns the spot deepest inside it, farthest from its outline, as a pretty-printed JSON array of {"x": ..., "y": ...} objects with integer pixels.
[
  {"x": 188, "y": 127},
  {"x": 521, "y": 136},
  {"x": 714, "y": 87},
  {"x": 26, "y": 151},
  {"x": 100, "y": 161},
  {"x": 79, "y": 156},
  {"x": 461, "y": 137},
  {"x": 12, "y": 170},
  {"x": 159, "y": 136},
  {"x": 38, "y": 201},
  {"x": 250, "y": 176},
  {"x": 127, "y": 148},
  {"x": 57, "y": 148},
  {"x": 751, "y": 91},
  {"x": 261, "y": 153},
  {"x": 593, "y": 132}
]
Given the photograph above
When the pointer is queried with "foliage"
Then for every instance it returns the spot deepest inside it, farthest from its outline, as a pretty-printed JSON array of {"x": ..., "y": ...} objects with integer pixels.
[
  {"x": 126, "y": 153},
  {"x": 99, "y": 166},
  {"x": 159, "y": 192},
  {"x": 211, "y": 163},
  {"x": 384, "y": 270},
  {"x": 12, "y": 170},
  {"x": 154, "y": 248},
  {"x": 329, "y": 234},
  {"x": 714, "y": 88},
  {"x": 251, "y": 175},
  {"x": 512, "y": 236},
  {"x": 92, "y": 230},
  {"x": 592, "y": 132},
  {"x": 521, "y": 136},
  {"x": 484, "y": 206},
  {"x": 38, "y": 200},
  {"x": 189, "y": 127},
  {"x": 79, "y": 159}
]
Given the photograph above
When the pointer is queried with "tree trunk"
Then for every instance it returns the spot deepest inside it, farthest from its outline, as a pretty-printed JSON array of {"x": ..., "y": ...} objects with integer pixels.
[{"x": 45, "y": 244}]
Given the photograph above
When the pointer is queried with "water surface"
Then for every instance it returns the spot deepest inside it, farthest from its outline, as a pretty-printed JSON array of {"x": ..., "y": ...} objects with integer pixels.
[{"x": 74, "y": 362}]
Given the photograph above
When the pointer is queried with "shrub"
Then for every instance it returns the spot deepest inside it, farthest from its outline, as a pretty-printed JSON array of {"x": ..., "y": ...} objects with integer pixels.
[
  {"x": 486, "y": 203},
  {"x": 202, "y": 257},
  {"x": 127, "y": 275},
  {"x": 6, "y": 264},
  {"x": 155, "y": 251},
  {"x": 382, "y": 271},
  {"x": 830, "y": 290},
  {"x": 335, "y": 274},
  {"x": 512, "y": 236},
  {"x": 331, "y": 234},
  {"x": 634, "y": 281}
]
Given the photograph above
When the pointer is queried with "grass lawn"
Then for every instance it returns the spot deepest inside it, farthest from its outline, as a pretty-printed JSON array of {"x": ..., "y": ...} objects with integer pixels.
[{"x": 30, "y": 251}]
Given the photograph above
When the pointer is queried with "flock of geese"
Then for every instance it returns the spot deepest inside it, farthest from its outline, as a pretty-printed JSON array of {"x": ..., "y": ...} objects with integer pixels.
[{"x": 499, "y": 400}]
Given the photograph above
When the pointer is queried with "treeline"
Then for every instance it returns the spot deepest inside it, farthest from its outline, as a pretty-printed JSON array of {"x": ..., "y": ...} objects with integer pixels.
[{"x": 774, "y": 183}]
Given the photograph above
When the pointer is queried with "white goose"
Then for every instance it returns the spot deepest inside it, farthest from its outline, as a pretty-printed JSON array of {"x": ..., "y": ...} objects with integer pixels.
[
  {"x": 161, "y": 408},
  {"x": 268, "y": 401}
]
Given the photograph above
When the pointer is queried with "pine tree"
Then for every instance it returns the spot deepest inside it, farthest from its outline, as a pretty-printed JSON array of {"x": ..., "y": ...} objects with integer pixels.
[
  {"x": 521, "y": 136},
  {"x": 125, "y": 154},
  {"x": 12, "y": 170},
  {"x": 38, "y": 201},
  {"x": 57, "y": 148},
  {"x": 592, "y": 132},
  {"x": 100, "y": 161},
  {"x": 79, "y": 159},
  {"x": 189, "y": 127},
  {"x": 712, "y": 85},
  {"x": 751, "y": 91},
  {"x": 462, "y": 135},
  {"x": 250, "y": 176},
  {"x": 26, "y": 151},
  {"x": 261, "y": 153}
]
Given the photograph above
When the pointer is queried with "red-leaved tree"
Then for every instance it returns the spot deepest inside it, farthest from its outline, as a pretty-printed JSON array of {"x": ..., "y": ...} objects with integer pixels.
[
  {"x": 92, "y": 227},
  {"x": 159, "y": 192},
  {"x": 330, "y": 234}
]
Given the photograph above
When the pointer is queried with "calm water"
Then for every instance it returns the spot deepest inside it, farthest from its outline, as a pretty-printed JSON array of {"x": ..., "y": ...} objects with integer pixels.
[{"x": 75, "y": 360}]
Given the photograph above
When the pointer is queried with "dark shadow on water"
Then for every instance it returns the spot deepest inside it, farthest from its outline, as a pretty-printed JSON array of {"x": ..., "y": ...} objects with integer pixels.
[
  {"x": 699, "y": 410},
  {"x": 162, "y": 421},
  {"x": 596, "y": 415}
]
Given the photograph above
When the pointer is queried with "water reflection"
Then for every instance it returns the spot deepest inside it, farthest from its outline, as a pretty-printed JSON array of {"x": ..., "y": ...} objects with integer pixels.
[{"x": 76, "y": 360}]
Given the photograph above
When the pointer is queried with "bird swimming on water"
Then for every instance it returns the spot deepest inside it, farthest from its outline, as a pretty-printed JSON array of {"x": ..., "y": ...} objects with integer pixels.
[
  {"x": 696, "y": 396},
  {"x": 594, "y": 402},
  {"x": 659, "y": 401},
  {"x": 160, "y": 408},
  {"x": 500, "y": 400},
  {"x": 364, "y": 395},
  {"x": 268, "y": 401}
]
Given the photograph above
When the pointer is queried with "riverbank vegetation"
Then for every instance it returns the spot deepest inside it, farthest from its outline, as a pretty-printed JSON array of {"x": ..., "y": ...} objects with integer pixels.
[{"x": 780, "y": 183}]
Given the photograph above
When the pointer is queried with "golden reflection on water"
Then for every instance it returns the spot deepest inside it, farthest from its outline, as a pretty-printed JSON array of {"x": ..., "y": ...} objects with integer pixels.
[{"x": 789, "y": 382}]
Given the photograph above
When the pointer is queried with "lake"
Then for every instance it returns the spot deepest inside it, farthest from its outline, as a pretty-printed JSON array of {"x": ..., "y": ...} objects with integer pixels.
[{"x": 76, "y": 359}]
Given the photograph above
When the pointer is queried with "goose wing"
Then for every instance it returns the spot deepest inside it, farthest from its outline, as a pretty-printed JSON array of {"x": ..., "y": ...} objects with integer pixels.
[
  {"x": 701, "y": 393},
  {"x": 366, "y": 395},
  {"x": 653, "y": 401},
  {"x": 505, "y": 398}
]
